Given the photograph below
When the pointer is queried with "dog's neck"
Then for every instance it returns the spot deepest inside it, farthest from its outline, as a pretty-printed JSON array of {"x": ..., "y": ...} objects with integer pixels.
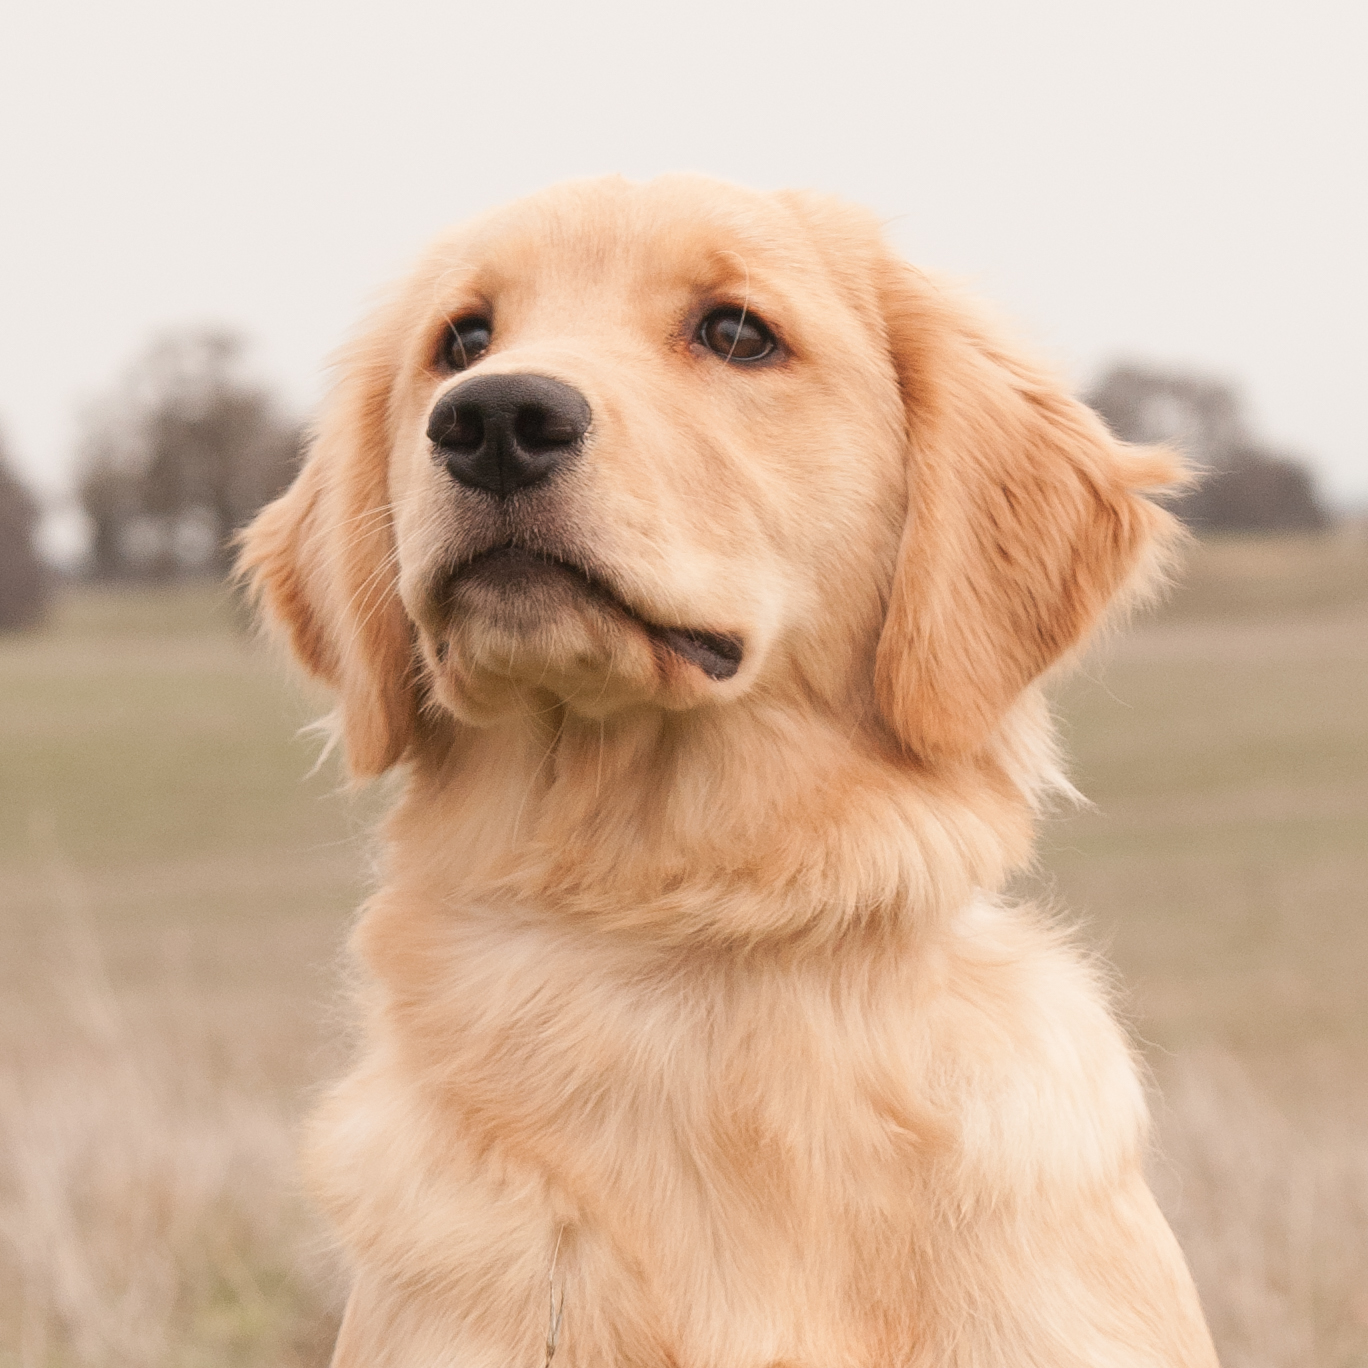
[{"x": 744, "y": 824}]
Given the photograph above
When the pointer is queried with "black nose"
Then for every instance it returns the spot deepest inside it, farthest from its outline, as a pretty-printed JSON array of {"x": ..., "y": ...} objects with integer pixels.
[{"x": 505, "y": 432}]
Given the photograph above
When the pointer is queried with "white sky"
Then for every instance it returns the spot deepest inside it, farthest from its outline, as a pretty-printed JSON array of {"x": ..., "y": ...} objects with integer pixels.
[{"x": 1175, "y": 181}]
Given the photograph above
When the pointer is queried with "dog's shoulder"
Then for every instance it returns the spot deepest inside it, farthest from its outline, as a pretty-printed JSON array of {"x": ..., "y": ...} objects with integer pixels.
[{"x": 1031, "y": 1059}]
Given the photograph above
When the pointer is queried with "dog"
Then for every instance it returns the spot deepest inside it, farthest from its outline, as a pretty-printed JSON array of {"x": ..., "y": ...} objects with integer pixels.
[{"x": 697, "y": 562}]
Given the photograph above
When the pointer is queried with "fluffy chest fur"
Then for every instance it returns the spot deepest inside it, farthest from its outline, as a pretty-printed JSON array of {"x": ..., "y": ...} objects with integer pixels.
[{"x": 740, "y": 1160}]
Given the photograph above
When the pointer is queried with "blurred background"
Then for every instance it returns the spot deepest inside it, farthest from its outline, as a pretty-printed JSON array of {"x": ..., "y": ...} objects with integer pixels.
[{"x": 197, "y": 202}]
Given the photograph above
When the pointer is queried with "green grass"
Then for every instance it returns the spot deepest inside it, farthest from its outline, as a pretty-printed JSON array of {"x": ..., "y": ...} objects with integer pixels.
[
  {"x": 157, "y": 789},
  {"x": 1225, "y": 864},
  {"x": 146, "y": 725},
  {"x": 175, "y": 887}
]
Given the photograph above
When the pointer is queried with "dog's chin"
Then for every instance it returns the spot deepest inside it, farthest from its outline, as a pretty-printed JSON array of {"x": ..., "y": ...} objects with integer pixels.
[{"x": 516, "y": 625}]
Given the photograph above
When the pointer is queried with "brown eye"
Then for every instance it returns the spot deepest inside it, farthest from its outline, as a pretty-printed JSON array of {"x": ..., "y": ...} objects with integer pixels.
[
  {"x": 467, "y": 339},
  {"x": 735, "y": 335}
]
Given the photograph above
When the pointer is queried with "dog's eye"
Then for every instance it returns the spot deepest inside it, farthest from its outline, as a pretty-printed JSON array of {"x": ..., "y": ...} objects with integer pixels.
[
  {"x": 466, "y": 340},
  {"x": 735, "y": 335}
]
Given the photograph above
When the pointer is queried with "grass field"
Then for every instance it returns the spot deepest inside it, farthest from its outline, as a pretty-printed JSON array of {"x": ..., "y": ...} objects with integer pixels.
[{"x": 174, "y": 891}]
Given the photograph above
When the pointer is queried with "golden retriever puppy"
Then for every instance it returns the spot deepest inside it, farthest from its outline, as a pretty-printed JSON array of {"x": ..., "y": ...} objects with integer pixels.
[{"x": 697, "y": 561}]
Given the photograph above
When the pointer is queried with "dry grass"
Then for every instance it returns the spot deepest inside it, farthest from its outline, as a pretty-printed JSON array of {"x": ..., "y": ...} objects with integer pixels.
[
  {"x": 173, "y": 896},
  {"x": 1225, "y": 871},
  {"x": 174, "y": 893},
  {"x": 1272, "y": 1211},
  {"x": 148, "y": 1215}
]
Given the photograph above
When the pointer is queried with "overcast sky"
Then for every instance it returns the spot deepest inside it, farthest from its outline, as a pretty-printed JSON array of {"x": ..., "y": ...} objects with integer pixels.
[{"x": 1174, "y": 182}]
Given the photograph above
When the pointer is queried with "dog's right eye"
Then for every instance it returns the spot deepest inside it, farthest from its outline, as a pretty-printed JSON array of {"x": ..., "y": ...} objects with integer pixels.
[
  {"x": 735, "y": 335},
  {"x": 466, "y": 340}
]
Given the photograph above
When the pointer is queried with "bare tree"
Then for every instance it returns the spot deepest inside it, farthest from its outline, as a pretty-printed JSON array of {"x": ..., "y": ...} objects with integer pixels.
[
  {"x": 180, "y": 455},
  {"x": 23, "y": 576},
  {"x": 1242, "y": 486}
]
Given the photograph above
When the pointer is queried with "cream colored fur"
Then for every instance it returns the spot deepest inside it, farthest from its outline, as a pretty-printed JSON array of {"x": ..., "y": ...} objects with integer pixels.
[{"x": 692, "y": 1007}]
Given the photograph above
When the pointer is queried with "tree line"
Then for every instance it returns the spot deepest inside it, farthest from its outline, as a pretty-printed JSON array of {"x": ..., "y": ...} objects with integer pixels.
[
  {"x": 186, "y": 448},
  {"x": 23, "y": 576},
  {"x": 1242, "y": 485},
  {"x": 178, "y": 457}
]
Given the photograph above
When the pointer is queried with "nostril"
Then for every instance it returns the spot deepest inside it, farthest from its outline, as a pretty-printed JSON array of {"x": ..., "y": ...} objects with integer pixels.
[
  {"x": 537, "y": 429},
  {"x": 462, "y": 428}
]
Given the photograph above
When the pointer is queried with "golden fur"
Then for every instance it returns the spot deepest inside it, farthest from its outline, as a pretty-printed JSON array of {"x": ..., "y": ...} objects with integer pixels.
[{"x": 690, "y": 1003}]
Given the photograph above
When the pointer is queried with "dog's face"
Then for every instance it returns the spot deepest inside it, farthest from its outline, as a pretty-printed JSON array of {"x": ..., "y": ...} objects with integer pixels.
[
  {"x": 656, "y": 446},
  {"x": 639, "y": 441}
]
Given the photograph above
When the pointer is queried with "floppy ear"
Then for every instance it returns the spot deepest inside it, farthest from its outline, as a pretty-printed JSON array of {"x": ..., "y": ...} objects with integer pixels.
[
  {"x": 321, "y": 562},
  {"x": 1023, "y": 523}
]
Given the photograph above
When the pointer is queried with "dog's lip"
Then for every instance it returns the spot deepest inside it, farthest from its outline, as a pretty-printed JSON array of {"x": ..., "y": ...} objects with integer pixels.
[{"x": 717, "y": 654}]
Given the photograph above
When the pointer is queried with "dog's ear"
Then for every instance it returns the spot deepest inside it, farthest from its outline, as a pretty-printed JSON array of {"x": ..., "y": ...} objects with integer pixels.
[
  {"x": 321, "y": 562},
  {"x": 1024, "y": 521}
]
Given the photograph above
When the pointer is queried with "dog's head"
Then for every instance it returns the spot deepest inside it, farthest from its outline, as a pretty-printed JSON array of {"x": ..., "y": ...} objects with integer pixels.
[{"x": 624, "y": 446}]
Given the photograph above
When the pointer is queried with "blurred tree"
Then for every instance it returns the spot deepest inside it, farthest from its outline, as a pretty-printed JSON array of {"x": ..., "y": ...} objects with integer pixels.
[
  {"x": 23, "y": 576},
  {"x": 183, "y": 453},
  {"x": 1242, "y": 486}
]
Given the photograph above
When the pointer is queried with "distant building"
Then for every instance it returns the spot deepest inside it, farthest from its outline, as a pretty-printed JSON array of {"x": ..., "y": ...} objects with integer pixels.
[{"x": 1242, "y": 486}]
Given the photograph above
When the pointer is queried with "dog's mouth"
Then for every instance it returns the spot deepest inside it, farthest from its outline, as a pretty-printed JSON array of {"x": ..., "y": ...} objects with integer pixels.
[{"x": 511, "y": 570}]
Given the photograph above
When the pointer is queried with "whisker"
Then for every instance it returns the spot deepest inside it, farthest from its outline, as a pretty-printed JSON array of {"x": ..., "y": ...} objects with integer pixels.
[{"x": 745, "y": 304}]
